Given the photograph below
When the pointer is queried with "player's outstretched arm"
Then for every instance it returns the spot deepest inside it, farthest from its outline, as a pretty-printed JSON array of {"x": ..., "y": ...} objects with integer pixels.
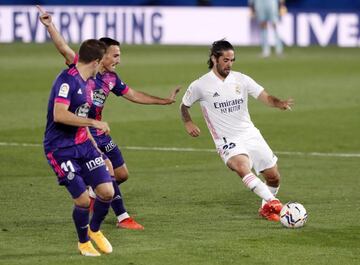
[
  {"x": 56, "y": 37},
  {"x": 275, "y": 102},
  {"x": 143, "y": 98},
  {"x": 190, "y": 127}
]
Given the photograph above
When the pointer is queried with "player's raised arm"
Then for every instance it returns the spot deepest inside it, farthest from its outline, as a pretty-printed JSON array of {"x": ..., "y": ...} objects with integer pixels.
[
  {"x": 190, "y": 127},
  {"x": 275, "y": 102},
  {"x": 143, "y": 98},
  {"x": 56, "y": 37}
]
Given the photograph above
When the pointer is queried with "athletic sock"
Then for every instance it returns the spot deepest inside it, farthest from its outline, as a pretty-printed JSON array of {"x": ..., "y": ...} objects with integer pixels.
[
  {"x": 81, "y": 220},
  {"x": 273, "y": 190},
  {"x": 101, "y": 208},
  {"x": 258, "y": 187},
  {"x": 117, "y": 203}
]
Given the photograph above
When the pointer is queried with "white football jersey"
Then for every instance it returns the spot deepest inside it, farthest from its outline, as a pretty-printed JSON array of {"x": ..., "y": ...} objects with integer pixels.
[{"x": 224, "y": 104}]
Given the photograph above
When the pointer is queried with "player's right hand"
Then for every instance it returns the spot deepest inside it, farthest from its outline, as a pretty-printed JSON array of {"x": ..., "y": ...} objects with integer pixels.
[
  {"x": 192, "y": 129},
  {"x": 102, "y": 126},
  {"x": 285, "y": 104},
  {"x": 44, "y": 17},
  {"x": 174, "y": 92},
  {"x": 172, "y": 98}
]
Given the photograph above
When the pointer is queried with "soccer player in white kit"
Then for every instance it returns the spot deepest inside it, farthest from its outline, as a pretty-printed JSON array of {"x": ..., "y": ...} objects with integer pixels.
[{"x": 223, "y": 97}]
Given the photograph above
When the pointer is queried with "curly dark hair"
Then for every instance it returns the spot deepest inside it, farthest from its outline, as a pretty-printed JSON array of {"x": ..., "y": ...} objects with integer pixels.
[{"x": 217, "y": 49}]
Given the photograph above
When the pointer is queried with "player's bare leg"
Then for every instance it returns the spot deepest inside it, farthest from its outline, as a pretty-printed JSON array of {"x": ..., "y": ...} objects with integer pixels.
[
  {"x": 92, "y": 193},
  {"x": 241, "y": 165},
  {"x": 272, "y": 178},
  {"x": 121, "y": 173}
]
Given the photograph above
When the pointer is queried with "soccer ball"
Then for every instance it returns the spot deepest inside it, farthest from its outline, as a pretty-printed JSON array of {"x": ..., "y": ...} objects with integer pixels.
[{"x": 293, "y": 215}]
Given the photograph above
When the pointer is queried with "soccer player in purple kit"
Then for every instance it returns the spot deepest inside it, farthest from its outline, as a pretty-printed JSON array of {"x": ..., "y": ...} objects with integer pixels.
[
  {"x": 107, "y": 81},
  {"x": 70, "y": 152}
]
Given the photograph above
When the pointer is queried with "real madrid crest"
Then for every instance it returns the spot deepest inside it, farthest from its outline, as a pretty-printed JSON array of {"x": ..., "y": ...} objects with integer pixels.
[{"x": 238, "y": 89}]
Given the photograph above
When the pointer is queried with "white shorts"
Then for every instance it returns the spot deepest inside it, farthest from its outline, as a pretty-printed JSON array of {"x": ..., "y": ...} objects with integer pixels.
[{"x": 251, "y": 144}]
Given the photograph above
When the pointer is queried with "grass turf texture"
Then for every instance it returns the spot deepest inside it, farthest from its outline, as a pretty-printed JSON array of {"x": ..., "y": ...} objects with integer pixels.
[{"x": 195, "y": 211}]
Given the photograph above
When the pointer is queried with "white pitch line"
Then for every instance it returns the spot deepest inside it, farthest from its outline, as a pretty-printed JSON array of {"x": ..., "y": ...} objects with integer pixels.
[
  {"x": 20, "y": 144},
  {"x": 318, "y": 154},
  {"x": 175, "y": 149},
  {"x": 178, "y": 149}
]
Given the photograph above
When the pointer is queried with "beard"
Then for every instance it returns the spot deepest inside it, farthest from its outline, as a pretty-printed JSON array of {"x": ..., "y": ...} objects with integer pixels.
[{"x": 223, "y": 72}]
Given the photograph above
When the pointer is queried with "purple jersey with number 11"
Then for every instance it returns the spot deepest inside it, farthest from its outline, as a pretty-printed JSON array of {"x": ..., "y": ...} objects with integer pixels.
[{"x": 69, "y": 88}]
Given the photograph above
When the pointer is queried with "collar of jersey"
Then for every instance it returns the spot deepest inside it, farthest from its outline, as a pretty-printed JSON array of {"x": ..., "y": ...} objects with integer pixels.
[{"x": 227, "y": 79}]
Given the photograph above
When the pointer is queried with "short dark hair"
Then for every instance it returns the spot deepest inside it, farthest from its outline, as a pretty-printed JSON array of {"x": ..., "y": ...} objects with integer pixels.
[
  {"x": 217, "y": 49},
  {"x": 109, "y": 42},
  {"x": 91, "y": 50}
]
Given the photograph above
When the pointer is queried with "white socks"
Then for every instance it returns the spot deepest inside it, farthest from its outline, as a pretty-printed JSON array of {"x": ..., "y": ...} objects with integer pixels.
[
  {"x": 273, "y": 190},
  {"x": 258, "y": 187},
  {"x": 123, "y": 216}
]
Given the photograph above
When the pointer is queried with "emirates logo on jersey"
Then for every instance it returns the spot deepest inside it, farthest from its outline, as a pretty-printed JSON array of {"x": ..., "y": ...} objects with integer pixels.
[{"x": 229, "y": 106}]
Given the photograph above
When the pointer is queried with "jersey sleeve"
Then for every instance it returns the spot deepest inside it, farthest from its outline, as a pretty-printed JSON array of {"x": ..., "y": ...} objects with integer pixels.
[
  {"x": 63, "y": 89},
  {"x": 192, "y": 95},
  {"x": 253, "y": 88},
  {"x": 120, "y": 88}
]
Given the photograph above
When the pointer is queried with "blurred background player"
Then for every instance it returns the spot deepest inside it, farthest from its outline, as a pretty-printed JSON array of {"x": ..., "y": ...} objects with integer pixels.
[
  {"x": 71, "y": 154},
  {"x": 267, "y": 12},
  {"x": 108, "y": 81},
  {"x": 223, "y": 96}
]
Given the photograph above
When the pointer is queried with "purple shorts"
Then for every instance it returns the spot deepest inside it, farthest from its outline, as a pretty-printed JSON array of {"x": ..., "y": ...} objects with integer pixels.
[
  {"x": 110, "y": 149},
  {"x": 79, "y": 166}
]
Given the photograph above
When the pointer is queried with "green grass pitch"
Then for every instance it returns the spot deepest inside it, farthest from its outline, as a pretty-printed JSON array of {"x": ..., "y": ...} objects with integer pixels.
[{"x": 195, "y": 211}]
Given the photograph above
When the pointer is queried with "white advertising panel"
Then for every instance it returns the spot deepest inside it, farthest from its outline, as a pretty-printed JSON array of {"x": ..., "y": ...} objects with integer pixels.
[{"x": 176, "y": 25}]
